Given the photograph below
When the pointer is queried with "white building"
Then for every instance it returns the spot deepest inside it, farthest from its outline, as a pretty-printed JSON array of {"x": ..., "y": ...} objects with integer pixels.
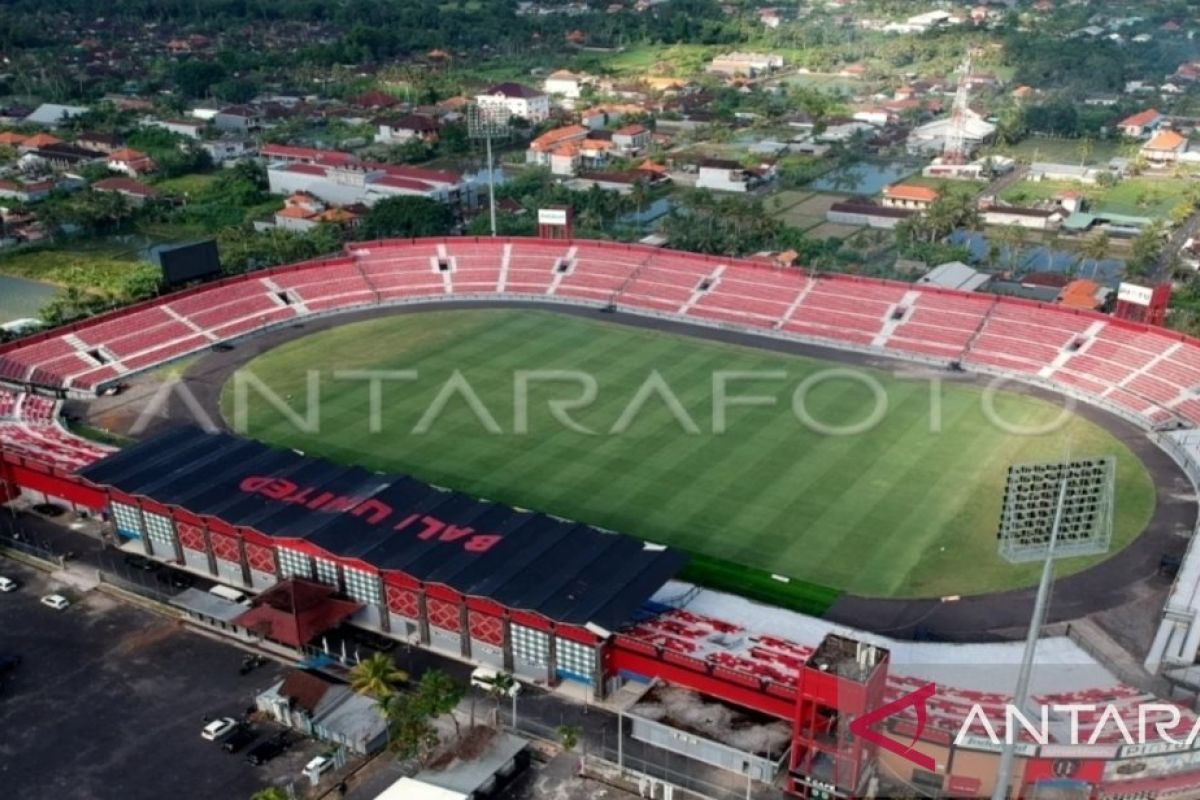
[
  {"x": 515, "y": 100},
  {"x": 748, "y": 65},
  {"x": 348, "y": 183},
  {"x": 724, "y": 175},
  {"x": 565, "y": 86},
  {"x": 931, "y": 137}
]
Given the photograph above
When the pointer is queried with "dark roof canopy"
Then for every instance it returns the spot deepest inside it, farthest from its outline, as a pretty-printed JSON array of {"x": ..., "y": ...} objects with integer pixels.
[{"x": 524, "y": 560}]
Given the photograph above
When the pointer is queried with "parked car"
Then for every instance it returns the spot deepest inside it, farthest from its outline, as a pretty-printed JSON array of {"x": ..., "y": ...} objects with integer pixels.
[
  {"x": 218, "y": 728},
  {"x": 9, "y": 662},
  {"x": 241, "y": 736},
  {"x": 319, "y": 766},
  {"x": 175, "y": 578},
  {"x": 485, "y": 678},
  {"x": 141, "y": 562},
  {"x": 266, "y": 750},
  {"x": 56, "y": 601},
  {"x": 8, "y": 584}
]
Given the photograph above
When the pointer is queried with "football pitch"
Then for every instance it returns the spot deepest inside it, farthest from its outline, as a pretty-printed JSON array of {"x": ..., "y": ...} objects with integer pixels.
[{"x": 895, "y": 509}]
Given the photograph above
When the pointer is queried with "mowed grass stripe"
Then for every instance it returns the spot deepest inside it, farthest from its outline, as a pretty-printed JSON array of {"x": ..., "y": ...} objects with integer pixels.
[{"x": 896, "y": 511}]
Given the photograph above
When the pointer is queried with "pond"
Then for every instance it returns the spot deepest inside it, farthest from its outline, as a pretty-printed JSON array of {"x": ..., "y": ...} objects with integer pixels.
[
  {"x": 862, "y": 178},
  {"x": 21, "y": 299},
  {"x": 1040, "y": 258}
]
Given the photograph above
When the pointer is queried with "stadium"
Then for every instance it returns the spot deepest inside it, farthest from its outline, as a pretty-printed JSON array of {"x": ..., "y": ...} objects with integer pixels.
[{"x": 789, "y": 573}]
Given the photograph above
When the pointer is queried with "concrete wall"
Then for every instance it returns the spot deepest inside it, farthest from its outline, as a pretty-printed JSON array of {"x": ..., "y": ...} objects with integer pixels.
[{"x": 701, "y": 749}]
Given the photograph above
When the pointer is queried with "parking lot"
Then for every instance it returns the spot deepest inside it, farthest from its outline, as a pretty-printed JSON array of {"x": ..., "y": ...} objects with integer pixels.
[{"x": 109, "y": 702}]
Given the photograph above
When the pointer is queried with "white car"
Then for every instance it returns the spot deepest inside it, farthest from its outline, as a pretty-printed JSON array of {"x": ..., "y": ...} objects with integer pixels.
[
  {"x": 8, "y": 584},
  {"x": 56, "y": 601},
  {"x": 218, "y": 728},
  {"x": 318, "y": 766}
]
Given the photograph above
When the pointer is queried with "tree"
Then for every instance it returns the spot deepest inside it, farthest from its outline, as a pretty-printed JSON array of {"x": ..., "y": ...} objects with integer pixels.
[
  {"x": 407, "y": 217},
  {"x": 1145, "y": 250},
  {"x": 439, "y": 694},
  {"x": 410, "y": 731},
  {"x": 377, "y": 676},
  {"x": 1095, "y": 248},
  {"x": 270, "y": 793},
  {"x": 502, "y": 685},
  {"x": 568, "y": 736}
]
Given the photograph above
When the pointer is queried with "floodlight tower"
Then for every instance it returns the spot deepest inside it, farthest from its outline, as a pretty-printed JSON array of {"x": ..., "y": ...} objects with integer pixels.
[
  {"x": 487, "y": 123},
  {"x": 1050, "y": 511}
]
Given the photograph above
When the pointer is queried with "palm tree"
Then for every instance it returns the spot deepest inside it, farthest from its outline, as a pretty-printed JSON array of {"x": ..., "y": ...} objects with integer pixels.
[
  {"x": 1094, "y": 248},
  {"x": 270, "y": 793},
  {"x": 501, "y": 689},
  {"x": 568, "y": 737},
  {"x": 377, "y": 677},
  {"x": 440, "y": 694}
]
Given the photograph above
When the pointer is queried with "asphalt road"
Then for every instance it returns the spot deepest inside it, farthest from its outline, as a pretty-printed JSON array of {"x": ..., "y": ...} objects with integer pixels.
[{"x": 110, "y": 699}]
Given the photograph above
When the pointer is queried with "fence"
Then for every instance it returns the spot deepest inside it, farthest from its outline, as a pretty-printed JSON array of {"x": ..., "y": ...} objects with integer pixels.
[{"x": 636, "y": 760}]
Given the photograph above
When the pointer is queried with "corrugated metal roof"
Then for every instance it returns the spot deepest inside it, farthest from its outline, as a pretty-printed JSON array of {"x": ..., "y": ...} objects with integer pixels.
[{"x": 565, "y": 571}]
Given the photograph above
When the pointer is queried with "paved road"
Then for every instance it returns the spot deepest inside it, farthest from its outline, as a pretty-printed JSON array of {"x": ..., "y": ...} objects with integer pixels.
[{"x": 109, "y": 701}]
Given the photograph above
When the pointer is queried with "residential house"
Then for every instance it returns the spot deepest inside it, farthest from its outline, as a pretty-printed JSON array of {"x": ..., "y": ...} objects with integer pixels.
[
  {"x": 38, "y": 141},
  {"x": 515, "y": 100},
  {"x": 229, "y": 147},
  {"x": 130, "y": 162},
  {"x": 908, "y": 196},
  {"x": 1045, "y": 171},
  {"x": 601, "y": 116},
  {"x": 338, "y": 179},
  {"x": 631, "y": 140},
  {"x": 58, "y": 157},
  {"x": 1142, "y": 124},
  {"x": 1164, "y": 147},
  {"x": 10, "y": 139},
  {"x": 565, "y": 86},
  {"x": 238, "y": 119},
  {"x": 26, "y": 192},
  {"x": 330, "y": 712},
  {"x": 724, "y": 175},
  {"x": 375, "y": 101},
  {"x": 302, "y": 212},
  {"x": 744, "y": 65},
  {"x": 188, "y": 128},
  {"x": 860, "y": 211},
  {"x": 398, "y": 130},
  {"x": 541, "y": 151},
  {"x": 100, "y": 142},
  {"x": 53, "y": 114},
  {"x": 290, "y": 154},
  {"x": 1038, "y": 219},
  {"x": 136, "y": 192}
]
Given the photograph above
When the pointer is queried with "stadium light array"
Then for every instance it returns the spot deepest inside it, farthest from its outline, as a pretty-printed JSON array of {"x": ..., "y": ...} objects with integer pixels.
[{"x": 1030, "y": 508}]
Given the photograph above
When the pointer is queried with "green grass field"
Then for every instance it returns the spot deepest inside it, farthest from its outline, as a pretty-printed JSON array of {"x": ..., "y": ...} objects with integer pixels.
[{"x": 895, "y": 511}]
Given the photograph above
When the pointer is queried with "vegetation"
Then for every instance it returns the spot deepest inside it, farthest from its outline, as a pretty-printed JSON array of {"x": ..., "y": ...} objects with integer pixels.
[
  {"x": 377, "y": 677},
  {"x": 410, "y": 716},
  {"x": 407, "y": 217}
]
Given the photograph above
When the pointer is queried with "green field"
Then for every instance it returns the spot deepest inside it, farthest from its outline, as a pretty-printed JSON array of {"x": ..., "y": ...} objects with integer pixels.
[
  {"x": 895, "y": 511},
  {"x": 1137, "y": 197}
]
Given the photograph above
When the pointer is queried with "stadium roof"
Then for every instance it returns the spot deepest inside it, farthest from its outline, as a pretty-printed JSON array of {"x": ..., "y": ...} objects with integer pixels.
[{"x": 524, "y": 560}]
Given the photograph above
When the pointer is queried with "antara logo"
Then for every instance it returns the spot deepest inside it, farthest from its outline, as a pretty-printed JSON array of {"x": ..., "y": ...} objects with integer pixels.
[{"x": 861, "y": 727}]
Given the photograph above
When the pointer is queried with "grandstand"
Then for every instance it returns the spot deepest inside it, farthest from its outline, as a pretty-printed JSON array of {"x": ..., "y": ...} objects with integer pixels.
[
  {"x": 1148, "y": 374},
  {"x": 29, "y": 427}
]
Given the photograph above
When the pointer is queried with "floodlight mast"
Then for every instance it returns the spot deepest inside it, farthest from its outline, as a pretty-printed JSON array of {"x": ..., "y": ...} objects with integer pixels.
[
  {"x": 487, "y": 123},
  {"x": 1021, "y": 695}
]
